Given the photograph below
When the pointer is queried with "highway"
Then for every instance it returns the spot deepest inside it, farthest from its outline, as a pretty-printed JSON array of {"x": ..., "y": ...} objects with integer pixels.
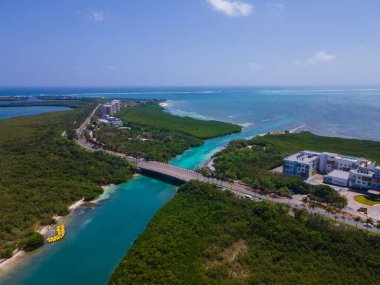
[{"x": 185, "y": 175}]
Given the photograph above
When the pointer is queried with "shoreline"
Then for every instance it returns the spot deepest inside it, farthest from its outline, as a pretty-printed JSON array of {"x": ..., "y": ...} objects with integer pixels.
[{"x": 18, "y": 255}]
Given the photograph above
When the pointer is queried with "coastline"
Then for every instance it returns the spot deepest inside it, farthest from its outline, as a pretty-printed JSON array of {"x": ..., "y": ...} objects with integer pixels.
[{"x": 18, "y": 255}]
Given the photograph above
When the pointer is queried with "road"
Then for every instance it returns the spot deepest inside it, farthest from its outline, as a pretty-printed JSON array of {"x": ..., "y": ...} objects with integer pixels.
[{"x": 187, "y": 175}]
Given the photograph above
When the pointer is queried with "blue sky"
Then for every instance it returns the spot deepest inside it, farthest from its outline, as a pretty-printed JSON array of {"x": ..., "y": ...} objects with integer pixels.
[{"x": 189, "y": 42}]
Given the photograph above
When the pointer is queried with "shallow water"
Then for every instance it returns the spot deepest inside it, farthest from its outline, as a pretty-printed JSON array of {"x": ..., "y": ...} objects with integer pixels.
[{"x": 98, "y": 237}]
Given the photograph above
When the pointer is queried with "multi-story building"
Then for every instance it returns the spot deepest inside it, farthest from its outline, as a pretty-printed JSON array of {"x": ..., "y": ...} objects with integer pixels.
[
  {"x": 303, "y": 163},
  {"x": 107, "y": 110},
  {"x": 365, "y": 177},
  {"x": 111, "y": 108},
  {"x": 333, "y": 161},
  {"x": 346, "y": 171},
  {"x": 116, "y": 106}
]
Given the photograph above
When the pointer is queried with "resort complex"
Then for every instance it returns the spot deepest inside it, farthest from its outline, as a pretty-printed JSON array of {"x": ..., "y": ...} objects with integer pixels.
[
  {"x": 345, "y": 171},
  {"x": 108, "y": 110}
]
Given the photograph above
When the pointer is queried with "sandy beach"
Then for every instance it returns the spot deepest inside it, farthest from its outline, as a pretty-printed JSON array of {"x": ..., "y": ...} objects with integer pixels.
[
  {"x": 8, "y": 263},
  {"x": 210, "y": 164}
]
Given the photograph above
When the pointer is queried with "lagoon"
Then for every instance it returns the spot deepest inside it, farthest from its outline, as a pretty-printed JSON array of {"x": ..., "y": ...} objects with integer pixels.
[
  {"x": 99, "y": 236},
  {"x": 10, "y": 112}
]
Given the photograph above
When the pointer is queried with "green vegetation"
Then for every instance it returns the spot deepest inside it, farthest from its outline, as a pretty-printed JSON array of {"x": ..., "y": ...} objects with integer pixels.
[
  {"x": 33, "y": 241},
  {"x": 251, "y": 161},
  {"x": 146, "y": 142},
  {"x": 291, "y": 143},
  {"x": 42, "y": 173},
  {"x": 153, "y": 134},
  {"x": 154, "y": 116},
  {"x": 367, "y": 200},
  {"x": 205, "y": 236}
]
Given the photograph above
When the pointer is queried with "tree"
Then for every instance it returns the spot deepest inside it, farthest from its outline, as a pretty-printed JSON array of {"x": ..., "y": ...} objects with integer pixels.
[
  {"x": 330, "y": 210},
  {"x": 35, "y": 240},
  {"x": 284, "y": 192},
  {"x": 313, "y": 205},
  {"x": 369, "y": 221},
  {"x": 357, "y": 219},
  {"x": 378, "y": 226},
  {"x": 305, "y": 200}
]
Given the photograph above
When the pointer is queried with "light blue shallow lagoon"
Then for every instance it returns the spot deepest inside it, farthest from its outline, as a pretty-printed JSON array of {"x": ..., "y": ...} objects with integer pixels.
[{"x": 99, "y": 236}]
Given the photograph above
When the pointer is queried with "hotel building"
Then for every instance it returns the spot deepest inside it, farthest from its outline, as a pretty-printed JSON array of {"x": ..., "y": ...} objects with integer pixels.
[
  {"x": 345, "y": 171},
  {"x": 111, "y": 108}
]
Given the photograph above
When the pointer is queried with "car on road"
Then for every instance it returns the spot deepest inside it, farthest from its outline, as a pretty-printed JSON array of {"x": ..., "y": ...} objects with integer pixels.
[
  {"x": 249, "y": 197},
  {"x": 367, "y": 225}
]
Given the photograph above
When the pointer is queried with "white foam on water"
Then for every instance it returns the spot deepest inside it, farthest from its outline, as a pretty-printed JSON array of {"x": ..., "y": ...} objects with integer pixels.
[{"x": 246, "y": 125}]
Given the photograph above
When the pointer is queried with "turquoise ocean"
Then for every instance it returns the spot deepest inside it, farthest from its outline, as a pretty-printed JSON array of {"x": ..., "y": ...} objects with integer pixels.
[{"x": 99, "y": 236}]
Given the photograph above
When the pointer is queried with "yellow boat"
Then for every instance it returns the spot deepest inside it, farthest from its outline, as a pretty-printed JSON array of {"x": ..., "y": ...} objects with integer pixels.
[{"x": 60, "y": 229}]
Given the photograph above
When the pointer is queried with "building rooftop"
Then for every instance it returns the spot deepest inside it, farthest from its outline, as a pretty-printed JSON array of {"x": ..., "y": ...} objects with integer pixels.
[
  {"x": 373, "y": 192},
  {"x": 304, "y": 156},
  {"x": 338, "y": 174},
  {"x": 330, "y": 153}
]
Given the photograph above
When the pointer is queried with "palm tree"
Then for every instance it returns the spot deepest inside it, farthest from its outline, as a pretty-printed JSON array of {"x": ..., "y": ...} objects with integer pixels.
[
  {"x": 378, "y": 226},
  {"x": 312, "y": 205},
  {"x": 357, "y": 219},
  {"x": 368, "y": 222},
  {"x": 305, "y": 200}
]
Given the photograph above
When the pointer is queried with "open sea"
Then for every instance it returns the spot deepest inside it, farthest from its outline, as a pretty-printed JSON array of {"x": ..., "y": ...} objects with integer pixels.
[{"x": 98, "y": 237}]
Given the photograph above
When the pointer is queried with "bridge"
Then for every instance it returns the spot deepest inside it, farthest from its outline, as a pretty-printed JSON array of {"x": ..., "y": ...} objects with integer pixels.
[{"x": 184, "y": 175}]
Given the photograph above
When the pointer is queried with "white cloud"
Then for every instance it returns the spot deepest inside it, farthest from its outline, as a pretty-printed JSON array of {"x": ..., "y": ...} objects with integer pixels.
[
  {"x": 275, "y": 8},
  {"x": 96, "y": 16},
  {"x": 319, "y": 57},
  {"x": 233, "y": 8},
  {"x": 255, "y": 66}
]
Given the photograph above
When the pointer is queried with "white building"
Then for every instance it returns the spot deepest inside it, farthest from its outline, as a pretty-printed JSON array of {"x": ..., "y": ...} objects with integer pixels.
[
  {"x": 111, "y": 108},
  {"x": 331, "y": 161},
  {"x": 337, "y": 177},
  {"x": 365, "y": 177},
  {"x": 111, "y": 121},
  {"x": 346, "y": 171},
  {"x": 303, "y": 163}
]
